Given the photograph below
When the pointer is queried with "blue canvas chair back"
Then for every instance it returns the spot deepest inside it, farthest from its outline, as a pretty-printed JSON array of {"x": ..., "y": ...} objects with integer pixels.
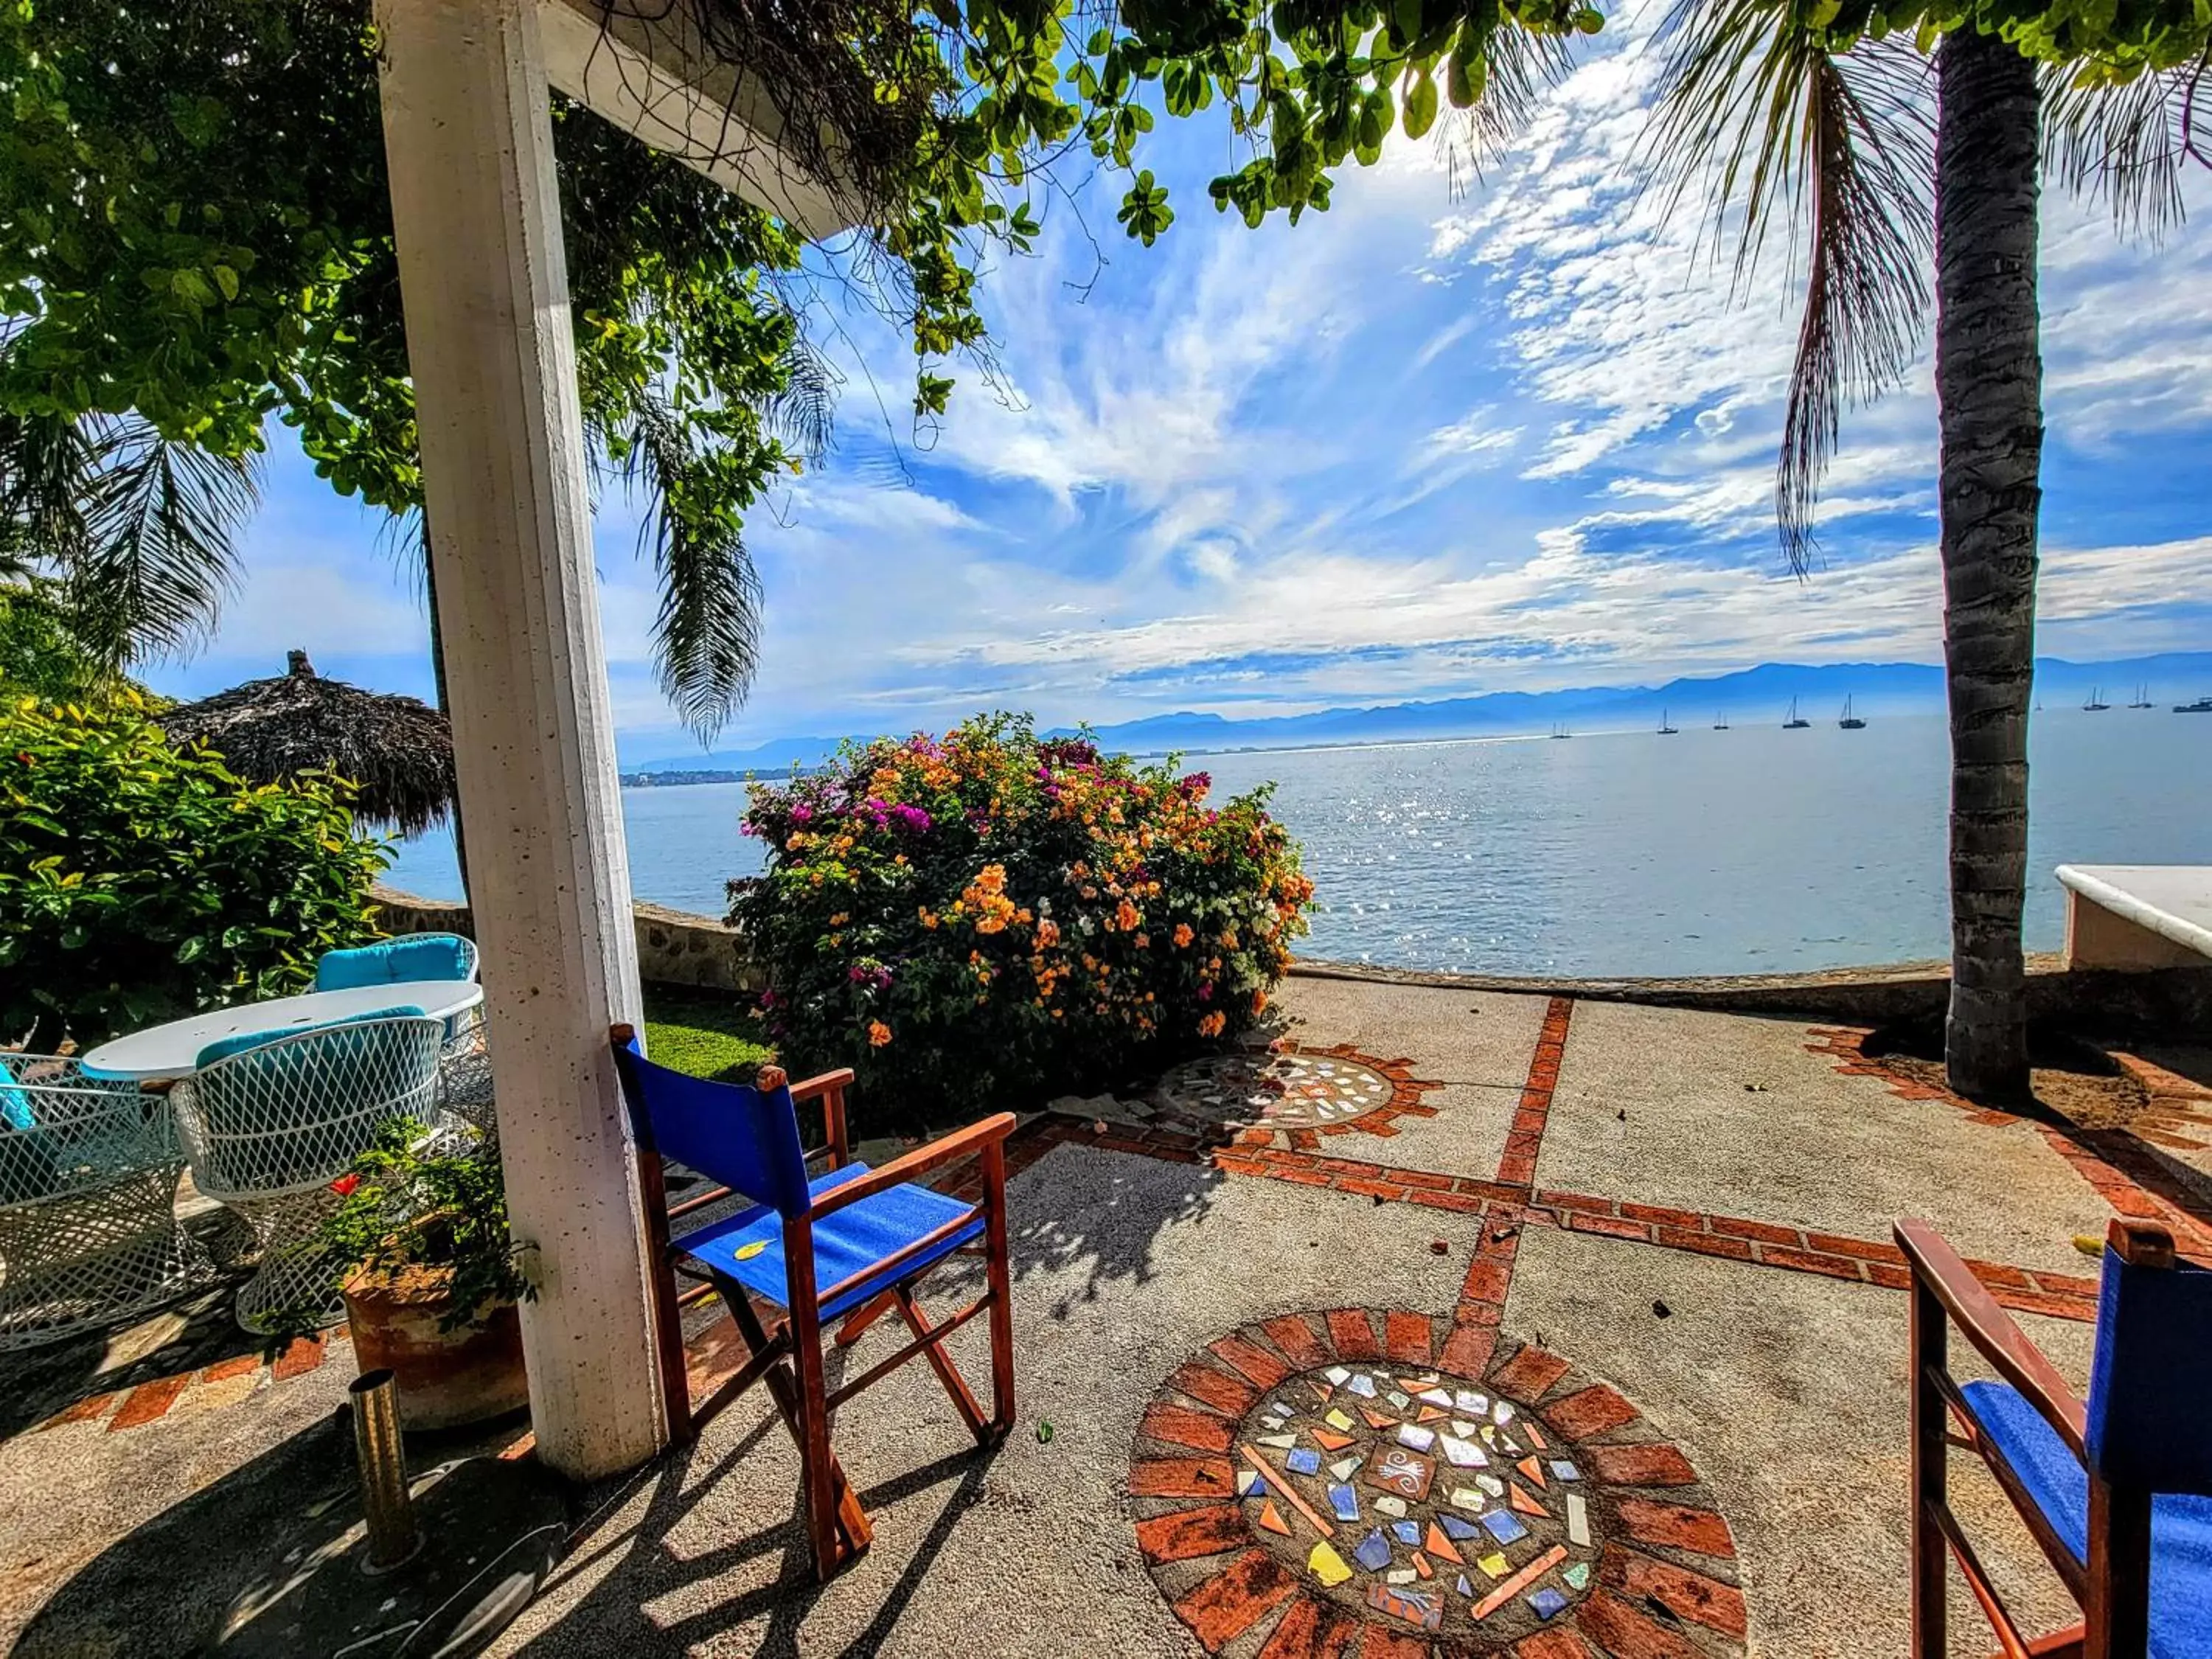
[
  {"x": 392, "y": 961},
  {"x": 746, "y": 1139},
  {"x": 2149, "y": 1409}
]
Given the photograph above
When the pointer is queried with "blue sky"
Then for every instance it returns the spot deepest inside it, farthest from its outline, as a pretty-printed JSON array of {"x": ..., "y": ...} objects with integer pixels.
[{"x": 1426, "y": 444}]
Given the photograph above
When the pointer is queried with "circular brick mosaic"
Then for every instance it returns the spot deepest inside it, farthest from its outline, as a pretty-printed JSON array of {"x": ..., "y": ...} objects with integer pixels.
[
  {"x": 1298, "y": 1095},
  {"x": 1333, "y": 1475}
]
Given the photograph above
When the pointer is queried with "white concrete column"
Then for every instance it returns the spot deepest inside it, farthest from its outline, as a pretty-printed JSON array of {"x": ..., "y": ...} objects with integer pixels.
[{"x": 477, "y": 217}]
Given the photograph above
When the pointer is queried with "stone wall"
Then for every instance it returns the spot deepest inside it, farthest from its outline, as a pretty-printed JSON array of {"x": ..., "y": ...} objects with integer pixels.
[{"x": 674, "y": 947}]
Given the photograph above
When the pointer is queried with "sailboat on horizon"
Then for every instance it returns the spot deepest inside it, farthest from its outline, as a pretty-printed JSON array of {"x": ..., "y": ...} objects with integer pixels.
[
  {"x": 1667, "y": 730},
  {"x": 2096, "y": 703},
  {"x": 1560, "y": 731},
  {"x": 2142, "y": 698},
  {"x": 1849, "y": 721},
  {"x": 1720, "y": 721},
  {"x": 1797, "y": 723}
]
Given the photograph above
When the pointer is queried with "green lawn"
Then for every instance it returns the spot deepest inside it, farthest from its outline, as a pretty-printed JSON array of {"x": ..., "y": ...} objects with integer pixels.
[{"x": 707, "y": 1033}]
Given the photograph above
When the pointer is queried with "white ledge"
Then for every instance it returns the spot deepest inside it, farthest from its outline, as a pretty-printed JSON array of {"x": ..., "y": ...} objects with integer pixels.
[
  {"x": 652, "y": 77},
  {"x": 2174, "y": 901}
]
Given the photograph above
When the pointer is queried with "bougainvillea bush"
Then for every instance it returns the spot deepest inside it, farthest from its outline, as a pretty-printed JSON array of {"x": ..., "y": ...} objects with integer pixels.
[{"x": 999, "y": 917}]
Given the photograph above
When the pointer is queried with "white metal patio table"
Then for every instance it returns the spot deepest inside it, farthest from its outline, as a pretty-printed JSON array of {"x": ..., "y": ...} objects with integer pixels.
[{"x": 172, "y": 1050}]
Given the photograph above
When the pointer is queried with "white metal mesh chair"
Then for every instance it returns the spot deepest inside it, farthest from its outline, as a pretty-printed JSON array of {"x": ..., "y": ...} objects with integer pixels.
[
  {"x": 269, "y": 1127},
  {"x": 89, "y": 1233}
]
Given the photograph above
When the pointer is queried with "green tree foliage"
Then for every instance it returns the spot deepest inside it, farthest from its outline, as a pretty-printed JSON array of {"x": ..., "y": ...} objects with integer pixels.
[
  {"x": 42, "y": 654},
  {"x": 138, "y": 883},
  {"x": 996, "y": 917}
]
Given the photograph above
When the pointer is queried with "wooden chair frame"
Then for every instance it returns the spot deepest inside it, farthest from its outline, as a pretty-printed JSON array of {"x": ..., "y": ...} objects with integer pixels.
[
  {"x": 788, "y": 1358},
  {"x": 2113, "y": 1588}
]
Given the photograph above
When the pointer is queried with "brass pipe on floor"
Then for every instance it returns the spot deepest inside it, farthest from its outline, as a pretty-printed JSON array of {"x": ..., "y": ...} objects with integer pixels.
[{"x": 386, "y": 1505}]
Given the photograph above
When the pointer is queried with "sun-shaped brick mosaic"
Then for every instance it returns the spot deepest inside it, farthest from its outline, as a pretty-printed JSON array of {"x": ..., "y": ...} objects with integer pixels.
[
  {"x": 1322, "y": 1472},
  {"x": 1298, "y": 1094}
]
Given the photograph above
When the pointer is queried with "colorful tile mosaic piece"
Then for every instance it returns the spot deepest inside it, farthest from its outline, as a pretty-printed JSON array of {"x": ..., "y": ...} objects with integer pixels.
[
  {"x": 1301, "y": 1459},
  {"x": 1390, "y": 1505},
  {"x": 1462, "y": 1454},
  {"x": 1363, "y": 1385},
  {"x": 1407, "y": 1532},
  {"x": 1504, "y": 1527},
  {"x": 1531, "y": 1471},
  {"x": 1337, "y": 1419},
  {"x": 1563, "y": 1470},
  {"x": 1547, "y": 1602},
  {"x": 1578, "y": 1527},
  {"x": 1373, "y": 1552},
  {"x": 1419, "y": 1438},
  {"x": 1493, "y": 1563},
  {"x": 1344, "y": 1502},
  {"x": 1578, "y": 1574},
  {"x": 1395, "y": 1469},
  {"x": 1272, "y": 1519},
  {"x": 1412, "y": 1606},
  {"x": 1326, "y": 1564},
  {"x": 1435, "y": 1543},
  {"x": 1344, "y": 1468},
  {"x": 1522, "y": 1500}
]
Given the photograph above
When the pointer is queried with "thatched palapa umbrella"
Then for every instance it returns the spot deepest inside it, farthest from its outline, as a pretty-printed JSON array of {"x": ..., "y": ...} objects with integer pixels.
[{"x": 397, "y": 750}]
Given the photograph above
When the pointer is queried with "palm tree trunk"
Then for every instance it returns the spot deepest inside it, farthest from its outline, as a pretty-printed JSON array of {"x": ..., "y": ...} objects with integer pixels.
[{"x": 1988, "y": 376}]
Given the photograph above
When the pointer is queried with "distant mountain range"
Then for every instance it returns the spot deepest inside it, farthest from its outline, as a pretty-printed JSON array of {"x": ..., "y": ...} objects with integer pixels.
[{"x": 1753, "y": 694}]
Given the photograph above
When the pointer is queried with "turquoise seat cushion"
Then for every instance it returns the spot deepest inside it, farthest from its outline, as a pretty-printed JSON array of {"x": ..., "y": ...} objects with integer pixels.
[
  {"x": 14, "y": 1104},
  {"x": 846, "y": 1241},
  {"x": 239, "y": 1043},
  {"x": 394, "y": 961},
  {"x": 2180, "y": 1525}
]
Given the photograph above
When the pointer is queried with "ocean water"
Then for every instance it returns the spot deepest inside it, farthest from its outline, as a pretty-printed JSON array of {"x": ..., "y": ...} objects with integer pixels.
[{"x": 1754, "y": 850}]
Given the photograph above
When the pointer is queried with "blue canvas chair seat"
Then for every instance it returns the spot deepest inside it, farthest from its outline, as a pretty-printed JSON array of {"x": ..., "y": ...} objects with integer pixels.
[
  {"x": 2116, "y": 1488},
  {"x": 2054, "y": 1480},
  {"x": 847, "y": 1244}
]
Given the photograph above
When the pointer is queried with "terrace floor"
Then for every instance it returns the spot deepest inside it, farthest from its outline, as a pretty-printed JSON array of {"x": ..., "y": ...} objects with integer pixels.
[{"x": 1659, "y": 1238}]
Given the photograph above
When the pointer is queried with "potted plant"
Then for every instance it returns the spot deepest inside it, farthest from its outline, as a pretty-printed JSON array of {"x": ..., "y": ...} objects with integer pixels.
[{"x": 435, "y": 1279}]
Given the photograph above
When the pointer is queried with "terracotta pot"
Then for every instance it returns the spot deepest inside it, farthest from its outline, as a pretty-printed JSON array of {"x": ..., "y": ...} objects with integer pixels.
[{"x": 445, "y": 1378}]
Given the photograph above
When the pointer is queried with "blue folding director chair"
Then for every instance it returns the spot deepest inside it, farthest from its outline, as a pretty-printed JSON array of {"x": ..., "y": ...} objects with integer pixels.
[
  {"x": 849, "y": 1243},
  {"x": 2117, "y": 1489}
]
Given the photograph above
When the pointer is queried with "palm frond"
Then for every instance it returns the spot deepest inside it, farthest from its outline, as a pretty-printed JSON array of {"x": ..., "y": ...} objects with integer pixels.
[
  {"x": 1872, "y": 237},
  {"x": 804, "y": 413},
  {"x": 1756, "y": 111},
  {"x": 160, "y": 517},
  {"x": 45, "y": 469},
  {"x": 2121, "y": 144},
  {"x": 1520, "y": 66},
  {"x": 706, "y": 634}
]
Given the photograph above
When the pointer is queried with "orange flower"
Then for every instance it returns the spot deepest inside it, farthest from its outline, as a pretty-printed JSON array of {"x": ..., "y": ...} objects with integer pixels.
[
  {"x": 1183, "y": 936},
  {"x": 879, "y": 1034},
  {"x": 1127, "y": 918},
  {"x": 1047, "y": 933},
  {"x": 1259, "y": 1002},
  {"x": 1211, "y": 1026}
]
